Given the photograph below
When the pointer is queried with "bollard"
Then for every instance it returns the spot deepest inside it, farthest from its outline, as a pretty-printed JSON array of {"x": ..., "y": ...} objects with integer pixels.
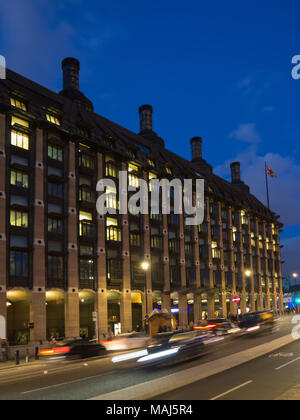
[
  {"x": 36, "y": 352},
  {"x": 27, "y": 356},
  {"x": 17, "y": 357}
]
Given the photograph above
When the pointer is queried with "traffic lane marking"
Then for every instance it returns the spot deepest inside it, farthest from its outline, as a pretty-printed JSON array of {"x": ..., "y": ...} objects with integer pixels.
[
  {"x": 287, "y": 364},
  {"x": 231, "y": 390}
]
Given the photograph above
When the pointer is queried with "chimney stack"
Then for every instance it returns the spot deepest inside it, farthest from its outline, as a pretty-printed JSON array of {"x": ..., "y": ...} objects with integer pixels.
[
  {"x": 196, "y": 145},
  {"x": 70, "y": 67},
  {"x": 146, "y": 112},
  {"x": 235, "y": 173}
]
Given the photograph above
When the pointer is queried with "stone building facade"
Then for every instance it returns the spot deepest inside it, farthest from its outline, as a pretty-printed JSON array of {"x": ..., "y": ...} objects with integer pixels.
[{"x": 63, "y": 265}]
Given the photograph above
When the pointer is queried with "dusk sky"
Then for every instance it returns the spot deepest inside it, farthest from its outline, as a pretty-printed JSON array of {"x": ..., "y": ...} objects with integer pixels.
[{"x": 219, "y": 70}]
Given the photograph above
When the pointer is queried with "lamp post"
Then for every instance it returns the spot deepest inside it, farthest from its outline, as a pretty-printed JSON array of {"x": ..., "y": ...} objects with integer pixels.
[
  {"x": 145, "y": 266},
  {"x": 248, "y": 274}
]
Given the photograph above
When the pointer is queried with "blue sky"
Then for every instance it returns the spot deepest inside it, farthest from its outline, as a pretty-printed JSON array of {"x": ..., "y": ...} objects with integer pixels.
[{"x": 220, "y": 70}]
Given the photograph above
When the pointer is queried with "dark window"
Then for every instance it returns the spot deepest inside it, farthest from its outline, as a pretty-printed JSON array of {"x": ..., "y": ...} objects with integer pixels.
[
  {"x": 20, "y": 201},
  {"x": 55, "y": 225},
  {"x": 55, "y": 189},
  {"x": 55, "y": 267},
  {"x": 55, "y": 152},
  {"x": 18, "y": 242},
  {"x": 53, "y": 208},
  {"x": 18, "y": 264},
  {"x": 19, "y": 160},
  {"x": 87, "y": 270},
  {"x": 54, "y": 246}
]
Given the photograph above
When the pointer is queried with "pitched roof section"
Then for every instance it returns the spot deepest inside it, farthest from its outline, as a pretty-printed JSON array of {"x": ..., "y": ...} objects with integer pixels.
[{"x": 122, "y": 141}]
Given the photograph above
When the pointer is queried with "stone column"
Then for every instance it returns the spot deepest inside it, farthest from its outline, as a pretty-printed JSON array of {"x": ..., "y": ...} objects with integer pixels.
[
  {"x": 126, "y": 307},
  {"x": 243, "y": 304},
  {"x": 72, "y": 323},
  {"x": 3, "y": 218},
  {"x": 258, "y": 253},
  {"x": 183, "y": 317},
  {"x": 197, "y": 308},
  {"x": 281, "y": 305},
  {"x": 38, "y": 297},
  {"x": 252, "y": 291},
  {"x": 222, "y": 268},
  {"x": 268, "y": 305},
  {"x": 211, "y": 294},
  {"x": 233, "y": 306},
  {"x": 147, "y": 257},
  {"x": 166, "y": 303},
  {"x": 101, "y": 298}
]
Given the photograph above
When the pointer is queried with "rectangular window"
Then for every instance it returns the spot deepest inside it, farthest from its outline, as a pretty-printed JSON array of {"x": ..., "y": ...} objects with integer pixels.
[
  {"x": 18, "y": 264},
  {"x": 54, "y": 246},
  {"x": 18, "y": 200},
  {"x": 19, "y": 121},
  {"x": 18, "y": 242},
  {"x": 86, "y": 270},
  {"x": 55, "y": 172},
  {"x": 19, "y": 179},
  {"x": 19, "y": 219},
  {"x": 19, "y": 160},
  {"x": 55, "y": 189},
  {"x": 53, "y": 119},
  {"x": 53, "y": 208},
  {"x": 55, "y": 267},
  {"x": 55, "y": 152},
  {"x": 18, "y": 104},
  {"x": 55, "y": 225},
  {"x": 19, "y": 139},
  {"x": 86, "y": 251}
]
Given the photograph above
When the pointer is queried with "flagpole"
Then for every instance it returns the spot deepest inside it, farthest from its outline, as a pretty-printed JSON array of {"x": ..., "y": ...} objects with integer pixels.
[{"x": 267, "y": 185}]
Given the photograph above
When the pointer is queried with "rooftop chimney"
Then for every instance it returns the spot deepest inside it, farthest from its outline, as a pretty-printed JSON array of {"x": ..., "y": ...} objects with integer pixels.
[
  {"x": 235, "y": 173},
  {"x": 146, "y": 112},
  {"x": 70, "y": 67},
  {"x": 196, "y": 145}
]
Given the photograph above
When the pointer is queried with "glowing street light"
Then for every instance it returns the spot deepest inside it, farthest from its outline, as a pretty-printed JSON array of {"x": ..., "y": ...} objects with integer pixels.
[
  {"x": 145, "y": 266},
  {"x": 248, "y": 273}
]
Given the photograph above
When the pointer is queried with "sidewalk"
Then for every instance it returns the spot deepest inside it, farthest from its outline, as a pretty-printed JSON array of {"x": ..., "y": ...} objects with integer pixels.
[{"x": 12, "y": 365}]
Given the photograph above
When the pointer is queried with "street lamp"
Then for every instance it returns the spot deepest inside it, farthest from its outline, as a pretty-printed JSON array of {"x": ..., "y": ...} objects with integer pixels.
[
  {"x": 145, "y": 266},
  {"x": 295, "y": 276},
  {"x": 248, "y": 273}
]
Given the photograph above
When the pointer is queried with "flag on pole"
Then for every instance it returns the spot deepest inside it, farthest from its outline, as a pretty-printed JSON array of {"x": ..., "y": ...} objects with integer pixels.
[{"x": 270, "y": 172}]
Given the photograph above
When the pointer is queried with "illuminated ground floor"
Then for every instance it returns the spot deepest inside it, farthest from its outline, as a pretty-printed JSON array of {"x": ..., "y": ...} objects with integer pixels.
[{"x": 37, "y": 316}]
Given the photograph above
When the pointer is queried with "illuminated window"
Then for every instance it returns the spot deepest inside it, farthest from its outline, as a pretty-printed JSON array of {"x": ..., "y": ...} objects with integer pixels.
[
  {"x": 110, "y": 221},
  {"x": 18, "y": 104},
  {"x": 168, "y": 170},
  {"x": 151, "y": 163},
  {"x": 85, "y": 216},
  {"x": 19, "y": 179},
  {"x": 111, "y": 197},
  {"x": 53, "y": 119},
  {"x": 19, "y": 121},
  {"x": 55, "y": 225},
  {"x": 55, "y": 152},
  {"x": 19, "y": 219},
  {"x": 234, "y": 231},
  {"x": 133, "y": 180},
  {"x": 132, "y": 168},
  {"x": 20, "y": 140},
  {"x": 151, "y": 176}
]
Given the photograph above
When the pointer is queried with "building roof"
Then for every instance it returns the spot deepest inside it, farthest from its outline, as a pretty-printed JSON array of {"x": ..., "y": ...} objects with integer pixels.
[{"x": 77, "y": 117}]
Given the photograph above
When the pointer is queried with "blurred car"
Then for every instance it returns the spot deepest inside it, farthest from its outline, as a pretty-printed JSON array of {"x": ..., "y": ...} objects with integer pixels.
[
  {"x": 75, "y": 349},
  {"x": 219, "y": 326},
  {"x": 169, "y": 348},
  {"x": 128, "y": 341},
  {"x": 257, "y": 322}
]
